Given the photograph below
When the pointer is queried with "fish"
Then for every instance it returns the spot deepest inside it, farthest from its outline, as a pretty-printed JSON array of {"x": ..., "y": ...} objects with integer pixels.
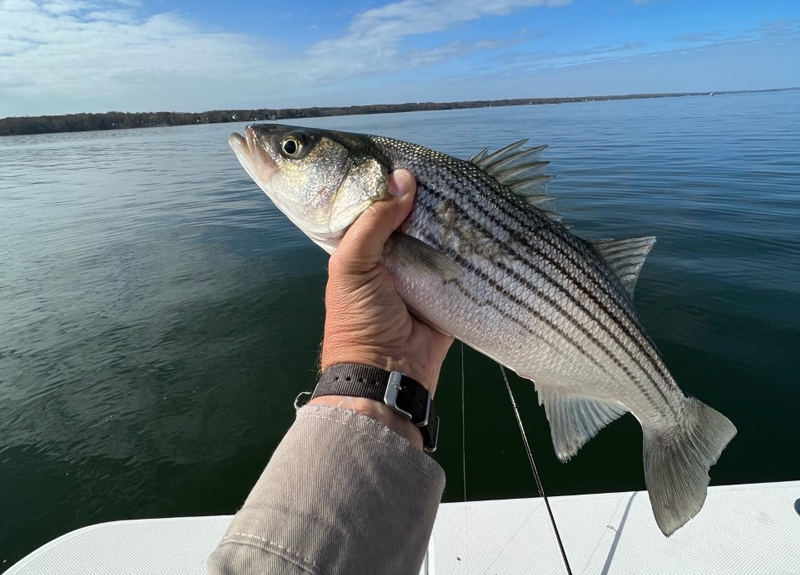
[{"x": 484, "y": 257}]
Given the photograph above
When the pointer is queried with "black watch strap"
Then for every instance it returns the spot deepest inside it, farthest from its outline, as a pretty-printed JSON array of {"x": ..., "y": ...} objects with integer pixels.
[{"x": 404, "y": 395}]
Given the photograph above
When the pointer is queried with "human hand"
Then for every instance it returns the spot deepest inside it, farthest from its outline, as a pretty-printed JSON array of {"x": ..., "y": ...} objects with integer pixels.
[{"x": 366, "y": 320}]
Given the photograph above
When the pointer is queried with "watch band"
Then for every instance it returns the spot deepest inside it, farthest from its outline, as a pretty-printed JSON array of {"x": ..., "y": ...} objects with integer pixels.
[{"x": 401, "y": 393}]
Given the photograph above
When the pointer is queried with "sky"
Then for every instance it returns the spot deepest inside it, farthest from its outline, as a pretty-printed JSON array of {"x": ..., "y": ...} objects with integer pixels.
[{"x": 72, "y": 56}]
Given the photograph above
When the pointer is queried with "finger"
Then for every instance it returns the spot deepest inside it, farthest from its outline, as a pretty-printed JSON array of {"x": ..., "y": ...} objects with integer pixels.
[{"x": 363, "y": 243}]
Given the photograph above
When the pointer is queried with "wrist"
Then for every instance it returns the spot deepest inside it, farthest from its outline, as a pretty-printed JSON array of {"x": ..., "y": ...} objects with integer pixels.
[
  {"x": 333, "y": 354},
  {"x": 374, "y": 410}
]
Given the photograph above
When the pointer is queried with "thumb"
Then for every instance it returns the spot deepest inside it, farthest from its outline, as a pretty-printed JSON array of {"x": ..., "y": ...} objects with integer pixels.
[{"x": 363, "y": 243}]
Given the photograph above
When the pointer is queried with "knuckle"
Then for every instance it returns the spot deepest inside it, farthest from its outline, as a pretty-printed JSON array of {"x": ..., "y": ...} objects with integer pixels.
[{"x": 335, "y": 263}]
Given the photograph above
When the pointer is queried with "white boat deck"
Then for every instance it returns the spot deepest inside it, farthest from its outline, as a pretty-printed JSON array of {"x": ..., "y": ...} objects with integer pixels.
[{"x": 743, "y": 529}]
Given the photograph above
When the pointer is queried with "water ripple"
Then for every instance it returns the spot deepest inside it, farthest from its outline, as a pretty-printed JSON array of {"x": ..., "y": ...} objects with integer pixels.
[{"x": 158, "y": 314}]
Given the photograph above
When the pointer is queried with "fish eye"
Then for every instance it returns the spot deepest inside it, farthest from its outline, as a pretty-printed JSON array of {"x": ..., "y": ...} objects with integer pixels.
[{"x": 291, "y": 146}]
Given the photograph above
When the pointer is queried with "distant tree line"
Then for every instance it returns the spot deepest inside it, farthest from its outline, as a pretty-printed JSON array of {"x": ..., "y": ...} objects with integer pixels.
[{"x": 118, "y": 120}]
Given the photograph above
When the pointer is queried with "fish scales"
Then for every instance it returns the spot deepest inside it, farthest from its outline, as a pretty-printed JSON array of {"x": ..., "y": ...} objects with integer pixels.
[
  {"x": 455, "y": 190},
  {"x": 557, "y": 285},
  {"x": 571, "y": 276},
  {"x": 481, "y": 258}
]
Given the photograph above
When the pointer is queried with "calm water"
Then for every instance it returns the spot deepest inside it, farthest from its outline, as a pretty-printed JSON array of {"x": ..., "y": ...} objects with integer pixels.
[{"x": 158, "y": 316}]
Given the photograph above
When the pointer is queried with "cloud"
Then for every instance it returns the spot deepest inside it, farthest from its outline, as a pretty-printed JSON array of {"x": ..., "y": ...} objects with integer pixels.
[
  {"x": 526, "y": 61},
  {"x": 704, "y": 37},
  {"x": 62, "y": 56},
  {"x": 605, "y": 49},
  {"x": 88, "y": 51},
  {"x": 374, "y": 39},
  {"x": 736, "y": 66},
  {"x": 762, "y": 57}
]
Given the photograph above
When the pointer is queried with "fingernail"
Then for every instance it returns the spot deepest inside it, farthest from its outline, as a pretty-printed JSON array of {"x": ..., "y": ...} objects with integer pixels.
[{"x": 400, "y": 183}]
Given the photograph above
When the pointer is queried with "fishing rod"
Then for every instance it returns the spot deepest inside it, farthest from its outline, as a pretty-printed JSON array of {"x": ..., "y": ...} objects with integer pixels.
[
  {"x": 463, "y": 427},
  {"x": 464, "y": 453},
  {"x": 535, "y": 470}
]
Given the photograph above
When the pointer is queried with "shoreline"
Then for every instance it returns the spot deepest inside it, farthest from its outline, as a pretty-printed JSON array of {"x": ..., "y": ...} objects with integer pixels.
[{"x": 88, "y": 122}]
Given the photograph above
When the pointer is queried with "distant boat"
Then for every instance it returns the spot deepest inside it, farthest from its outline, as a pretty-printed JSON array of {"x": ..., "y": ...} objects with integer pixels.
[{"x": 711, "y": 94}]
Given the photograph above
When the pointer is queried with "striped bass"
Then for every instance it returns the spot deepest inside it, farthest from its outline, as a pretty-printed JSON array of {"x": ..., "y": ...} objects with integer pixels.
[{"x": 483, "y": 257}]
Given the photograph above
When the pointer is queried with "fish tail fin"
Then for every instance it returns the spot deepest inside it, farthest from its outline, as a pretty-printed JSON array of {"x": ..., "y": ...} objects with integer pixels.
[{"x": 677, "y": 460}]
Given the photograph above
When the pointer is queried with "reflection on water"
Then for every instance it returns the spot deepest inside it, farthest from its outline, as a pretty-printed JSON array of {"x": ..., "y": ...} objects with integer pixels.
[{"x": 158, "y": 316}]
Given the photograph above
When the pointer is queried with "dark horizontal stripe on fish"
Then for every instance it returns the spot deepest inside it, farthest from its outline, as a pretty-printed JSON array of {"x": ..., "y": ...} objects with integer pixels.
[
  {"x": 479, "y": 225},
  {"x": 465, "y": 292},
  {"x": 632, "y": 329},
  {"x": 517, "y": 210},
  {"x": 471, "y": 266},
  {"x": 539, "y": 316},
  {"x": 520, "y": 211},
  {"x": 619, "y": 297}
]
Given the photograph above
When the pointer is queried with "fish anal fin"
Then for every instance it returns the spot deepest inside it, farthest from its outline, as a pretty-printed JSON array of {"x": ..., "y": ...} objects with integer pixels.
[
  {"x": 625, "y": 257},
  {"x": 575, "y": 419},
  {"x": 410, "y": 252}
]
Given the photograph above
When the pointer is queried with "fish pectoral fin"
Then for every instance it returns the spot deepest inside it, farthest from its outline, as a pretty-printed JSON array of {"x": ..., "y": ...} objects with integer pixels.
[
  {"x": 575, "y": 419},
  {"x": 411, "y": 252},
  {"x": 677, "y": 460},
  {"x": 625, "y": 257}
]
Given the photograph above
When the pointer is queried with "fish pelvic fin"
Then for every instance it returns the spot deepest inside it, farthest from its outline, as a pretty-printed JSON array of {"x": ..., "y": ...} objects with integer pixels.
[
  {"x": 575, "y": 419},
  {"x": 625, "y": 257},
  {"x": 677, "y": 460}
]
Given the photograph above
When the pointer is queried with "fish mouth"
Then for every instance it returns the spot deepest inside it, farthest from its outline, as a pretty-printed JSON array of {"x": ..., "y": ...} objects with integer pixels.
[{"x": 253, "y": 156}]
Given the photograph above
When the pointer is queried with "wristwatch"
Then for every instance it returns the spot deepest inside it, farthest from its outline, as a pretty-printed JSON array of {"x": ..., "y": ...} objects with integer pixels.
[{"x": 402, "y": 394}]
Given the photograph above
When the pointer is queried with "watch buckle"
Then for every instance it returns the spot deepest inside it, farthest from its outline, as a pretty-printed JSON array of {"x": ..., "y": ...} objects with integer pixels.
[{"x": 393, "y": 388}]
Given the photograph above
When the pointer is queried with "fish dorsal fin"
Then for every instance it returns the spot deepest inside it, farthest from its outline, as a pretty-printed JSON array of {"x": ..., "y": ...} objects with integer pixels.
[
  {"x": 625, "y": 257},
  {"x": 574, "y": 419},
  {"x": 520, "y": 170}
]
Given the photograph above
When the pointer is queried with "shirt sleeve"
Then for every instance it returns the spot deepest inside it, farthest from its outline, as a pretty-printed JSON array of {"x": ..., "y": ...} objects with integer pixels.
[{"x": 341, "y": 494}]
